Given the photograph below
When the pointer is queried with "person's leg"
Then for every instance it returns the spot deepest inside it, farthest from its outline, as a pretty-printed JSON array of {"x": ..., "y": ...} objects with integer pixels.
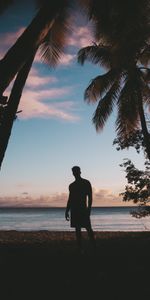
[
  {"x": 78, "y": 236},
  {"x": 91, "y": 234}
]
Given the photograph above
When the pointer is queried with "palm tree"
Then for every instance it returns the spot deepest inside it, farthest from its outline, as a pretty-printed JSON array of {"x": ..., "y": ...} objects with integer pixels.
[
  {"x": 122, "y": 34},
  {"x": 10, "y": 109},
  {"x": 43, "y": 32},
  {"x": 51, "y": 49},
  {"x": 31, "y": 39},
  {"x": 125, "y": 85}
]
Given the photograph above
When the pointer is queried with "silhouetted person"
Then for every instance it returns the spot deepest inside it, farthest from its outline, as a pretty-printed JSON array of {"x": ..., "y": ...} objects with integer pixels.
[{"x": 79, "y": 205}]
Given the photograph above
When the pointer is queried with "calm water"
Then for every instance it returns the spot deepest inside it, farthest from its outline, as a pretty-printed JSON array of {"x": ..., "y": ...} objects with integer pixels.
[{"x": 103, "y": 219}]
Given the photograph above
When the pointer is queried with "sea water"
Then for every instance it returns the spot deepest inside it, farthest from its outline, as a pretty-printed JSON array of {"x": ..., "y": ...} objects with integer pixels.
[{"x": 53, "y": 219}]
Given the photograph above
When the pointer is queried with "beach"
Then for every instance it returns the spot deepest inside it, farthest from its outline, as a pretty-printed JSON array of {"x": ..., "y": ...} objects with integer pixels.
[{"x": 48, "y": 265}]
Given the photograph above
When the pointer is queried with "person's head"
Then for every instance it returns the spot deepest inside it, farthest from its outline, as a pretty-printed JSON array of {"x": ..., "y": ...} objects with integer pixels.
[{"x": 76, "y": 171}]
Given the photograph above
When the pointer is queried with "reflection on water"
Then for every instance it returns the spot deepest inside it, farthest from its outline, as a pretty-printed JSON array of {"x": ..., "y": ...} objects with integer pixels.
[{"x": 103, "y": 219}]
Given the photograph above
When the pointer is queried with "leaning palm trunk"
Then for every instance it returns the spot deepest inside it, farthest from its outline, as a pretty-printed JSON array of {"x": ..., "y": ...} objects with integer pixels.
[
  {"x": 11, "y": 109},
  {"x": 28, "y": 42},
  {"x": 145, "y": 132}
]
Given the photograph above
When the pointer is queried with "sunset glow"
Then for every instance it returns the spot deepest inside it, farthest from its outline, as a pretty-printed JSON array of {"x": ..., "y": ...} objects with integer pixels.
[{"x": 54, "y": 131}]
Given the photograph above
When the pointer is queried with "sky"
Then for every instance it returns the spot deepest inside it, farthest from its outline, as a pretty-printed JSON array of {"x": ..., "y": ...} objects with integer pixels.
[{"x": 54, "y": 132}]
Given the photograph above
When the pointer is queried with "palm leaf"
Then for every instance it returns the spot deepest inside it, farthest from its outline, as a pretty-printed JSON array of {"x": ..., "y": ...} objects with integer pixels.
[
  {"x": 118, "y": 19},
  {"x": 106, "y": 105},
  {"x": 146, "y": 94},
  {"x": 128, "y": 114},
  {"x": 143, "y": 79},
  {"x": 95, "y": 54},
  {"x": 53, "y": 46},
  {"x": 145, "y": 56},
  {"x": 99, "y": 86},
  {"x": 146, "y": 76}
]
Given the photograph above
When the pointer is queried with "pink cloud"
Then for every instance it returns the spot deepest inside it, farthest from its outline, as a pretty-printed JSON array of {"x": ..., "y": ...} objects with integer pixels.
[
  {"x": 34, "y": 80},
  {"x": 33, "y": 107},
  {"x": 8, "y": 39},
  {"x": 37, "y": 99},
  {"x": 65, "y": 60},
  {"x": 81, "y": 37},
  {"x": 100, "y": 198}
]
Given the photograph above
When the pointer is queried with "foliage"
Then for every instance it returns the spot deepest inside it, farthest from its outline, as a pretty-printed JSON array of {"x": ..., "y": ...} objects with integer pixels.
[
  {"x": 126, "y": 81},
  {"x": 114, "y": 23},
  {"x": 46, "y": 33},
  {"x": 135, "y": 139},
  {"x": 138, "y": 187},
  {"x": 123, "y": 85}
]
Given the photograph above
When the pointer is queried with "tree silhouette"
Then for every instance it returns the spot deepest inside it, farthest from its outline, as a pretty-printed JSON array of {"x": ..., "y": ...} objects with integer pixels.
[
  {"x": 115, "y": 23},
  {"x": 138, "y": 181},
  {"x": 138, "y": 187},
  {"x": 126, "y": 82},
  {"x": 51, "y": 48}
]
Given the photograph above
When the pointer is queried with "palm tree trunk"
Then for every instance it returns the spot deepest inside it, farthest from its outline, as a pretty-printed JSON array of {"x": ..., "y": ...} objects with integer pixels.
[
  {"x": 13, "y": 103},
  {"x": 29, "y": 41},
  {"x": 145, "y": 132}
]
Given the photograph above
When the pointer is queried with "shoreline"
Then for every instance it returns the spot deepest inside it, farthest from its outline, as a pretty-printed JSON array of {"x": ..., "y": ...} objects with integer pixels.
[
  {"x": 70, "y": 234},
  {"x": 138, "y": 241}
]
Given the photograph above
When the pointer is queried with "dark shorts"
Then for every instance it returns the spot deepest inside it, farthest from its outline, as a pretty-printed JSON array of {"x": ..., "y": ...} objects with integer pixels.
[{"x": 80, "y": 219}]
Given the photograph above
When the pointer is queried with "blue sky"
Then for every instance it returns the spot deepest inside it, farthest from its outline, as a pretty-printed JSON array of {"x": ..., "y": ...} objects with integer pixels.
[{"x": 55, "y": 130}]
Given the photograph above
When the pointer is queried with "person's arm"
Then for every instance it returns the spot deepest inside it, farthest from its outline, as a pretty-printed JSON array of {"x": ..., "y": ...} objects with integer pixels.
[
  {"x": 90, "y": 199},
  {"x": 68, "y": 207}
]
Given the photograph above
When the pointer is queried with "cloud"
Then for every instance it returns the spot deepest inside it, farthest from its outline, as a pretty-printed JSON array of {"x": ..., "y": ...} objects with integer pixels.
[
  {"x": 104, "y": 196},
  {"x": 36, "y": 101},
  {"x": 34, "y": 80},
  {"x": 32, "y": 105},
  {"x": 81, "y": 37},
  {"x": 38, "y": 97},
  {"x": 65, "y": 59},
  {"x": 26, "y": 200},
  {"x": 8, "y": 39},
  {"x": 101, "y": 197}
]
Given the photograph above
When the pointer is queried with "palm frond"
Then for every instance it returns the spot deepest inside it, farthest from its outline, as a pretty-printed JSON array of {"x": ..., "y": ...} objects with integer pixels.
[
  {"x": 146, "y": 76},
  {"x": 95, "y": 54},
  {"x": 145, "y": 56},
  {"x": 128, "y": 114},
  {"x": 144, "y": 85},
  {"x": 116, "y": 19},
  {"x": 53, "y": 46},
  {"x": 146, "y": 94},
  {"x": 99, "y": 86},
  {"x": 106, "y": 105}
]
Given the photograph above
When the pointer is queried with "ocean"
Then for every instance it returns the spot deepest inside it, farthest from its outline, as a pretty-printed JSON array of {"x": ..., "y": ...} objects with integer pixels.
[{"x": 52, "y": 219}]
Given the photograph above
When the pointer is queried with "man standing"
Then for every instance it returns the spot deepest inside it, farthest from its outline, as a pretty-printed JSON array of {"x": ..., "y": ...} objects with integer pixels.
[{"x": 79, "y": 205}]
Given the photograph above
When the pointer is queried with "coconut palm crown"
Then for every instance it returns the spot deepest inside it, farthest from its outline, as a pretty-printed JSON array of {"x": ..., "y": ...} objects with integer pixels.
[
  {"x": 122, "y": 48},
  {"x": 125, "y": 85}
]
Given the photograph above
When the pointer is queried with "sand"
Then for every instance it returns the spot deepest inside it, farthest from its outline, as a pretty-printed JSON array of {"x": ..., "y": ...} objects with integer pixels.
[{"x": 47, "y": 265}]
